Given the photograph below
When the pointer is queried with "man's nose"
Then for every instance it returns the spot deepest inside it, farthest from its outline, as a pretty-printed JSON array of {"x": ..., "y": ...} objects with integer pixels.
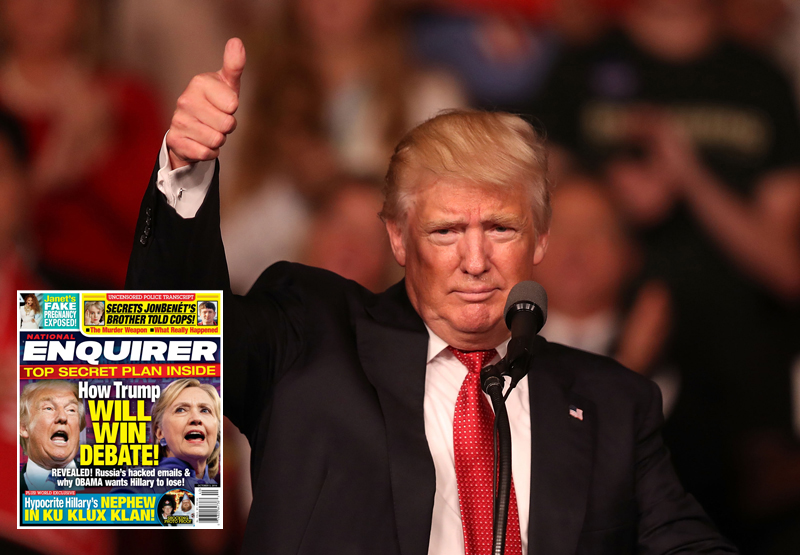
[
  {"x": 475, "y": 252},
  {"x": 61, "y": 415}
]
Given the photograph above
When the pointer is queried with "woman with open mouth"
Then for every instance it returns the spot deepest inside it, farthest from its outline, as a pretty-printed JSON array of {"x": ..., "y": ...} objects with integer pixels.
[{"x": 186, "y": 425}]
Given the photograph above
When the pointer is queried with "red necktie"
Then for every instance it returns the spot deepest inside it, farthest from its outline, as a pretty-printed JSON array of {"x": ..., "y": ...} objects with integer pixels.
[{"x": 473, "y": 443}]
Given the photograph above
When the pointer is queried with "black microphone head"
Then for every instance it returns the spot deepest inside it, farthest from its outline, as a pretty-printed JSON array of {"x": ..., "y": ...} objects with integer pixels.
[{"x": 526, "y": 295}]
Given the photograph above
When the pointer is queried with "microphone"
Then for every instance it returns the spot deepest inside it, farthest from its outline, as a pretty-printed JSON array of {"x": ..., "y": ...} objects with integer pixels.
[{"x": 525, "y": 314}]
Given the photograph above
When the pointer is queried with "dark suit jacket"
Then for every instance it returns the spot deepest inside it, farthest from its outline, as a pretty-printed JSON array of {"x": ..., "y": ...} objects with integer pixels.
[
  {"x": 23, "y": 485},
  {"x": 327, "y": 382}
]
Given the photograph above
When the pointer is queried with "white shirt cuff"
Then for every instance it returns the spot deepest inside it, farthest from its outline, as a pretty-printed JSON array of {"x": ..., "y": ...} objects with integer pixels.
[{"x": 186, "y": 187}]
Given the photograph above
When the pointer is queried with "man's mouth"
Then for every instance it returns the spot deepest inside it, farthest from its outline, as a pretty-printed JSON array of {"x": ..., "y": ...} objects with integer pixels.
[
  {"x": 476, "y": 295},
  {"x": 60, "y": 437}
]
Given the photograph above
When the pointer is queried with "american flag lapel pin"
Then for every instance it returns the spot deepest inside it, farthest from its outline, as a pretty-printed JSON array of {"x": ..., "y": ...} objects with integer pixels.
[{"x": 575, "y": 412}]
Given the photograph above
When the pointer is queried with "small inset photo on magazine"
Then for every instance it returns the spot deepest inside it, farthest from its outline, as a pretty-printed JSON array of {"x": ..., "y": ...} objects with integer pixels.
[
  {"x": 207, "y": 313},
  {"x": 176, "y": 508},
  {"x": 94, "y": 313},
  {"x": 30, "y": 312}
]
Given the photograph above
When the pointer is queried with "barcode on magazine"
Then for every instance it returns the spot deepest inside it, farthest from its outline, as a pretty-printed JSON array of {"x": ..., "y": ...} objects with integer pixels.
[{"x": 208, "y": 505}]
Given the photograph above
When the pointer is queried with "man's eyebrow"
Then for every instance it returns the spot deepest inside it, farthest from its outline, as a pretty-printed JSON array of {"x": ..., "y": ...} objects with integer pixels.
[
  {"x": 49, "y": 399},
  {"x": 443, "y": 223},
  {"x": 501, "y": 219},
  {"x": 506, "y": 219}
]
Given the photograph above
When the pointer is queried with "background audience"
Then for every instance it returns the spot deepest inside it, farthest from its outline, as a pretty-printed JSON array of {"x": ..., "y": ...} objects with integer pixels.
[
  {"x": 697, "y": 136},
  {"x": 675, "y": 148}
]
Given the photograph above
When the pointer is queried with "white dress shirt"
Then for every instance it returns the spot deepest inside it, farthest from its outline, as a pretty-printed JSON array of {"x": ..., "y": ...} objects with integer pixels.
[
  {"x": 36, "y": 477},
  {"x": 185, "y": 189},
  {"x": 443, "y": 378}
]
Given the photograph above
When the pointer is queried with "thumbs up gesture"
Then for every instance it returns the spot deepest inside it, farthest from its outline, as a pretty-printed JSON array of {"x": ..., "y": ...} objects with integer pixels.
[{"x": 204, "y": 115}]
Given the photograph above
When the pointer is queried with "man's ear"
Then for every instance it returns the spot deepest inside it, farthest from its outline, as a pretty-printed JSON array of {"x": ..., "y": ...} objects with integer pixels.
[
  {"x": 23, "y": 431},
  {"x": 541, "y": 247},
  {"x": 397, "y": 240}
]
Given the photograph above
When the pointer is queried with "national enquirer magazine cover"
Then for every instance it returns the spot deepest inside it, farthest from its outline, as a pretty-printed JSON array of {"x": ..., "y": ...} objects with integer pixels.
[{"x": 120, "y": 409}]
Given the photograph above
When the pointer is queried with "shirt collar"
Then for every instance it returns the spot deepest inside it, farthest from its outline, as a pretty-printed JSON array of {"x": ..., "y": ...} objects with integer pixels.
[
  {"x": 436, "y": 345},
  {"x": 36, "y": 476}
]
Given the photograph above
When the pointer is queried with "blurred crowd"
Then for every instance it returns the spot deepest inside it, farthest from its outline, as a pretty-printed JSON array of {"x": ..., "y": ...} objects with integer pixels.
[{"x": 674, "y": 153}]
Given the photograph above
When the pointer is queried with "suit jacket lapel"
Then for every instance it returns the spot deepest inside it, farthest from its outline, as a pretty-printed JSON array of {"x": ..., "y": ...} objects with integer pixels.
[
  {"x": 562, "y": 456},
  {"x": 392, "y": 346}
]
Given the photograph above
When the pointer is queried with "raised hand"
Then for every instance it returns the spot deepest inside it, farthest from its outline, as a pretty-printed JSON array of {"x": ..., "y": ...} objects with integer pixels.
[{"x": 204, "y": 114}]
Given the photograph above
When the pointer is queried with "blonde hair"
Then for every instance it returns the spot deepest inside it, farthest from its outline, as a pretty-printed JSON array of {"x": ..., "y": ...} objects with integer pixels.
[
  {"x": 168, "y": 396},
  {"x": 486, "y": 148},
  {"x": 33, "y": 391},
  {"x": 94, "y": 304}
]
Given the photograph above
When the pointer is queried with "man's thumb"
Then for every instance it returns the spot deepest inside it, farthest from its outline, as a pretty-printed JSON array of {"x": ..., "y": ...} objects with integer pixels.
[{"x": 233, "y": 63}]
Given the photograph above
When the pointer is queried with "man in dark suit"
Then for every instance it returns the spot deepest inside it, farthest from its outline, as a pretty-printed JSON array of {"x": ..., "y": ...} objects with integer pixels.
[{"x": 349, "y": 399}]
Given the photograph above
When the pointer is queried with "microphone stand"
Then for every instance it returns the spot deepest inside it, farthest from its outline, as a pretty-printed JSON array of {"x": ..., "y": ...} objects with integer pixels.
[
  {"x": 492, "y": 383},
  {"x": 525, "y": 314}
]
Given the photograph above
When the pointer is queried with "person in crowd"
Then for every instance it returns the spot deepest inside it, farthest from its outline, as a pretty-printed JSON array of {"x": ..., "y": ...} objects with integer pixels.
[
  {"x": 705, "y": 166},
  {"x": 158, "y": 39},
  {"x": 94, "y": 313},
  {"x": 349, "y": 398},
  {"x": 590, "y": 273},
  {"x": 346, "y": 235},
  {"x": 88, "y": 131},
  {"x": 337, "y": 83},
  {"x": 30, "y": 313},
  {"x": 592, "y": 261},
  {"x": 51, "y": 418}
]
